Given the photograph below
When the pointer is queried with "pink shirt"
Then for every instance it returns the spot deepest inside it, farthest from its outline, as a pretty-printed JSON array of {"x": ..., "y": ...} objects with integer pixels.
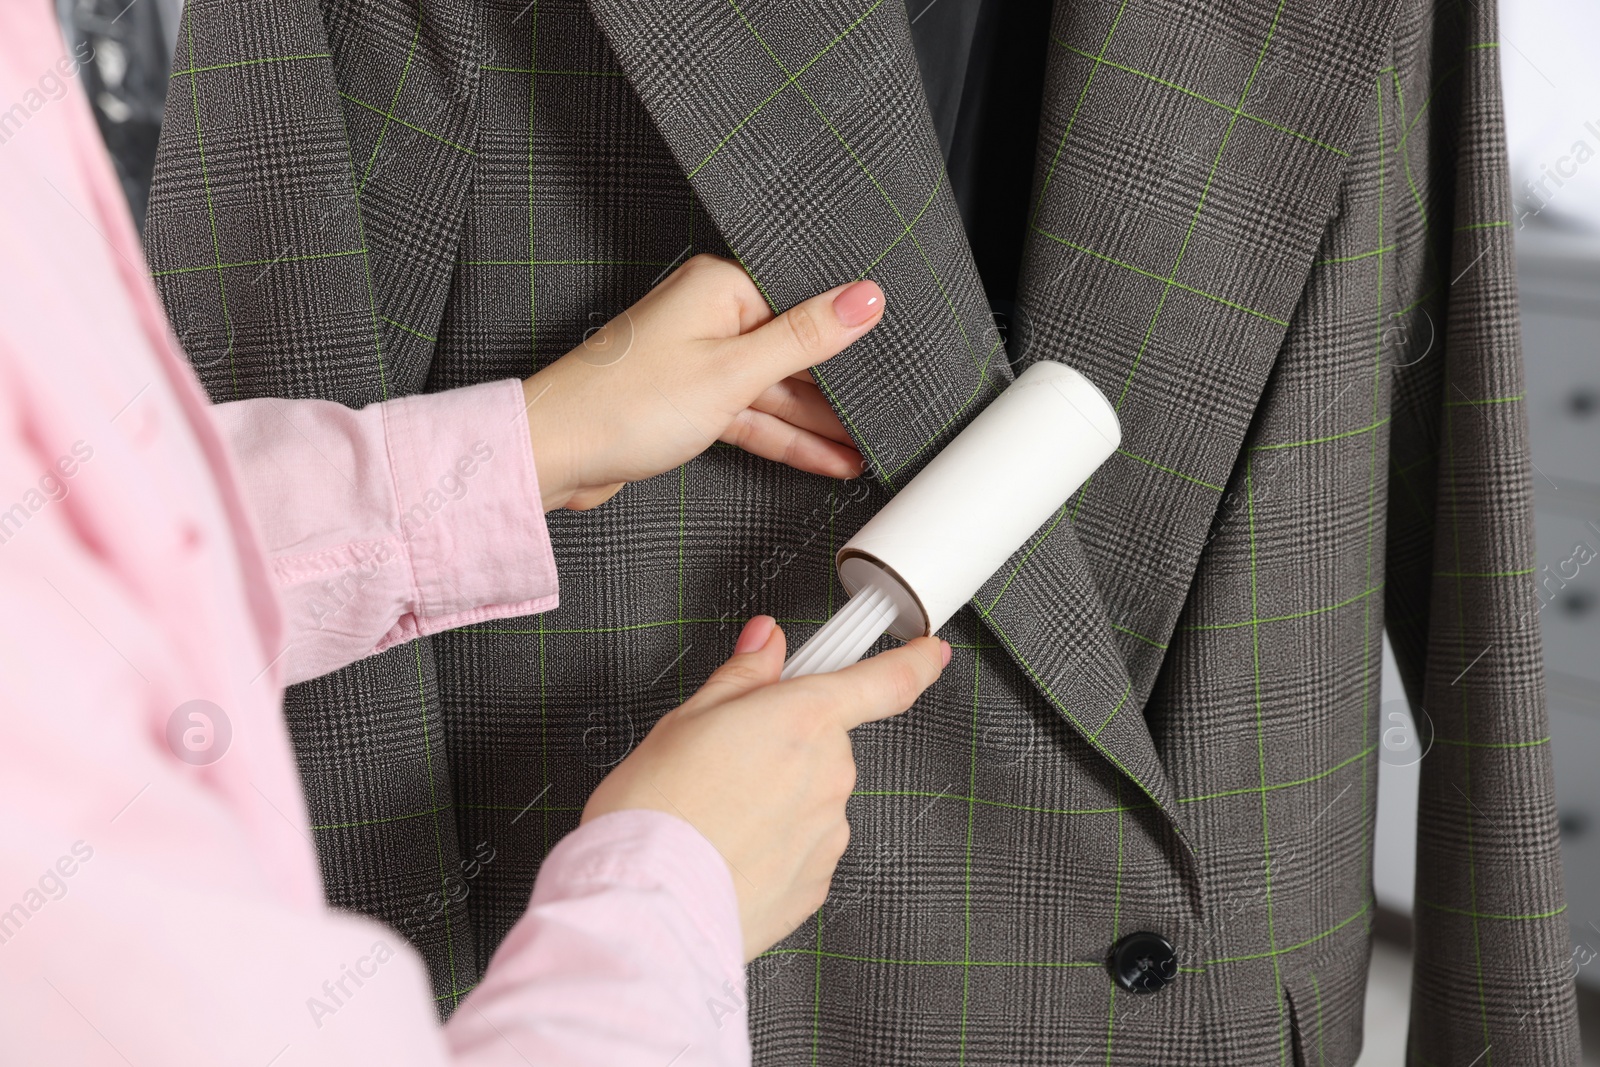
[{"x": 159, "y": 905}]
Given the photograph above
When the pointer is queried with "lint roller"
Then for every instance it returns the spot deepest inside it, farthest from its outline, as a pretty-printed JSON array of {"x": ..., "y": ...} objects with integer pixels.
[{"x": 936, "y": 542}]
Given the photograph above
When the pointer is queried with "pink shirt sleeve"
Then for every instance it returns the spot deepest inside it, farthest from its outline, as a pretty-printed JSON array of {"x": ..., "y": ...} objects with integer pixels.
[
  {"x": 142, "y": 921},
  {"x": 629, "y": 954},
  {"x": 405, "y": 518},
  {"x": 159, "y": 909}
]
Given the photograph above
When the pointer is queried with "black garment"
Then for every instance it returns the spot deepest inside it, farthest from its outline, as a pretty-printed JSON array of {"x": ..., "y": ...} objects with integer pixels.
[
  {"x": 125, "y": 80},
  {"x": 982, "y": 65}
]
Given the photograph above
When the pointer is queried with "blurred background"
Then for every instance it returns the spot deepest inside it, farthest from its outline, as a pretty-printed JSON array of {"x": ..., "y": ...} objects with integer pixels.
[{"x": 1552, "y": 85}]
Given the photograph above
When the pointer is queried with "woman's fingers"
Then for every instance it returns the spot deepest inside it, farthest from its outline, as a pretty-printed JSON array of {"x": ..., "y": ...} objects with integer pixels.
[
  {"x": 764, "y": 770},
  {"x": 700, "y": 357},
  {"x": 757, "y": 658},
  {"x": 592, "y": 496},
  {"x": 797, "y": 400},
  {"x": 878, "y": 688},
  {"x": 808, "y": 333},
  {"x": 772, "y": 438}
]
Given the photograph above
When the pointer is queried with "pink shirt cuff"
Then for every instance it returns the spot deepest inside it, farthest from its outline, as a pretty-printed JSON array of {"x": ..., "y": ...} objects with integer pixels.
[
  {"x": 470, "y": 507},
  {"x": 404, "y": 518}
]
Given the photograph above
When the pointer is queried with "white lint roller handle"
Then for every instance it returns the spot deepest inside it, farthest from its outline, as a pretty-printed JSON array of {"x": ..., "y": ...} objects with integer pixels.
[{"x": 940, "y": 538}]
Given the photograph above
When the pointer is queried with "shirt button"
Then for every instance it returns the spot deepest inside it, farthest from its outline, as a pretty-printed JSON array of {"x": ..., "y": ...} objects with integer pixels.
[{"x": 1143, "y": 962}]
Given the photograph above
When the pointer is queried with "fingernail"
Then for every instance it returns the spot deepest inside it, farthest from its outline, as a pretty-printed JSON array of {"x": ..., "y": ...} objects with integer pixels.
[
  {"x": 755, "y": 634},
  {"x": 944, "y": 650},
  {"x": 858, "y": 303}
]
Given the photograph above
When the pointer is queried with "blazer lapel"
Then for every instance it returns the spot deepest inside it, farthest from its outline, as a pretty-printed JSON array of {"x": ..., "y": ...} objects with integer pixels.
[
  {"x": 1173, "y": 231},
  {"x": 808, "y": 141}
]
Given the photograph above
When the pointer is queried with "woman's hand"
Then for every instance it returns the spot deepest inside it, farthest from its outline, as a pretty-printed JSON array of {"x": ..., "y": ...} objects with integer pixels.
[
  {"x": 763, "y": 768},
  {"x": 699, "y": 359}
]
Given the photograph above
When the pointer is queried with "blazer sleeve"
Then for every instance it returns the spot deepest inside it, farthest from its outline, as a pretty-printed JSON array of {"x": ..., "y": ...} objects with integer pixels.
[
  {"x": 402, "y": 519},
  {"x": 1493, "y": 982}
]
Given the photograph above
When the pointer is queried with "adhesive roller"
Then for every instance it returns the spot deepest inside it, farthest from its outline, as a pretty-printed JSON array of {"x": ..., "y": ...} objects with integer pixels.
[{"x": 955, "y": 524}]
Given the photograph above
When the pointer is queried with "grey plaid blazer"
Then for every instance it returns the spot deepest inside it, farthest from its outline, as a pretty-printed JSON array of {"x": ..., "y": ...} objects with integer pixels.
[{"x": 1278, "y": 238}]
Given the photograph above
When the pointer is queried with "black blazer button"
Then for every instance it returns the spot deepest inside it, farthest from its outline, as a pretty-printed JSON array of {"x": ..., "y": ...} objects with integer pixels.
[{"x": 1143, "y": 962}]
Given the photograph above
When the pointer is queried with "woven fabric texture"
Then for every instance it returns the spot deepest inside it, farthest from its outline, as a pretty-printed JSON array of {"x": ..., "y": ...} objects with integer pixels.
[{"x": 1276, "y": 235}]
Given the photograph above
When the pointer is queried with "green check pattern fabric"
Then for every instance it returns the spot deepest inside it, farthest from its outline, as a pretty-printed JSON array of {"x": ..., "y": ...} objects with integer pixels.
[{"x": 1276, "y": 235}]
